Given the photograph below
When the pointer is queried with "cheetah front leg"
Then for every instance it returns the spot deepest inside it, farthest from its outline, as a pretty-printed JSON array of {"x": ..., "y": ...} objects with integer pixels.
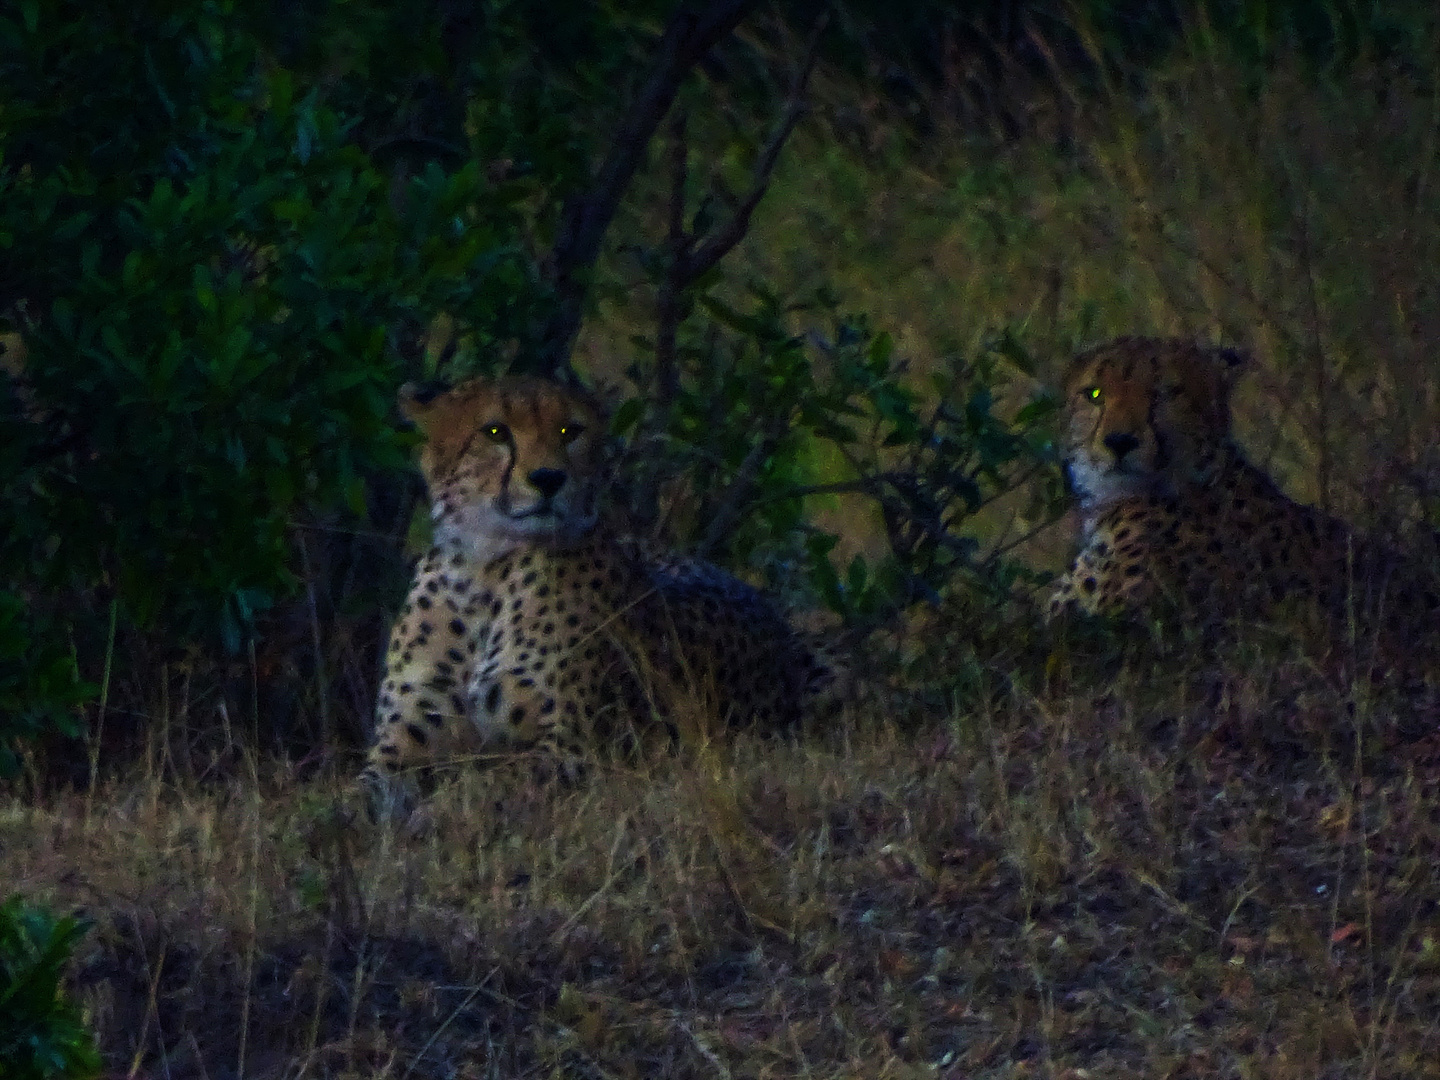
[
  {"x": 1111, "y": 576},
  {"x": 1084, "y": 587},
  {"x": 515, "y": 709},
  {"x": 541, "y": 692},
  {"x": 420, "y": 712}
]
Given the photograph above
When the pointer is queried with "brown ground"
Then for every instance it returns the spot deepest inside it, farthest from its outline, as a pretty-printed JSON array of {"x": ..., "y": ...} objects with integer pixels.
[{"x": 1167, "y": 874}]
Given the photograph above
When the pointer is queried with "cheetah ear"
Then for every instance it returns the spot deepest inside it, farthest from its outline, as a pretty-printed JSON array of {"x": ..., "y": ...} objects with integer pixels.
[{"x": 415, "y": 399}]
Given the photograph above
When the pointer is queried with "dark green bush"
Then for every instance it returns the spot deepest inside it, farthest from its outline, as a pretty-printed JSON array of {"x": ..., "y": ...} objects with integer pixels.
[
  {"x": 229, "y": 233},
  {"x": 43, "y": 1034},
  {"x": 225, "y": 241},
  {"x": 208, "y": 273}
]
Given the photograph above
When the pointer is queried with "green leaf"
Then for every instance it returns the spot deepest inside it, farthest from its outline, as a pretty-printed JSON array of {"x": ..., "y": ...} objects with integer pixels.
[
  {"x": 42, "y": 1031},
  {"x": 112, "y": 342},
  {"x": 130, "y": 271},
  {"x": 204, "y": 289},
  {"x": 627, "y": 417}
]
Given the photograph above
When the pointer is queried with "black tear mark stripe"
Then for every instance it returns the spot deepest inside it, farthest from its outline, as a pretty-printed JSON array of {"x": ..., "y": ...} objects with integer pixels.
[{"x": 1162, "y": 449}]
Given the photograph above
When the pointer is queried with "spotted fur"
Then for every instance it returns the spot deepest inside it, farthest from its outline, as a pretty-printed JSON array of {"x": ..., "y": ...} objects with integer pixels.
[
  {"x": 528, "y": 627},
  {"x": 1174, "y": 516}
]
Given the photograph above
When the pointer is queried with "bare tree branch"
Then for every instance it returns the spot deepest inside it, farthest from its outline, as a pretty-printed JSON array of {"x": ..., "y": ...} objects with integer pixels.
[
  {"x": 685, "y": 262},
  {"x": 720, "y": 243},
  {"x": 870, "y": 484},
  {"x": 672, "y": 285},
  {"x": 586, "y": 216}
]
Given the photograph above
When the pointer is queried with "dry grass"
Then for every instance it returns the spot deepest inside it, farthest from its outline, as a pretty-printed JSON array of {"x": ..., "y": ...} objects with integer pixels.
[{"x": 1183, "y": 869}]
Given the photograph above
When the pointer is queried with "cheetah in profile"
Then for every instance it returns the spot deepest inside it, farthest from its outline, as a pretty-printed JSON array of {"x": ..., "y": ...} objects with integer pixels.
[
  {"x": 1174, "y": 515},
  {"x": 529, "y": 628}
]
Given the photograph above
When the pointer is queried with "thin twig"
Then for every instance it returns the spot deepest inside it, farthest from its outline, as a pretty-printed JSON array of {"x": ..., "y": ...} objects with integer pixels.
[
  {"x": 1317, "y": 352},
  {"x": 863, "y": 485},
  {"x": 99, "y": 732},
  {"x": 721, "y": 242},
  {"x": 738, "y": 494},
  {"x": 474, "y": 993},
  {"x": 673, "y": 280},
  {"x": 321, "y": 690},
  {"x": 152, "y": 1008}
]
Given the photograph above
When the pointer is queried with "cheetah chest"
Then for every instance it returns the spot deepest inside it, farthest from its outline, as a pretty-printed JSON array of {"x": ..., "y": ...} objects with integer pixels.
[{"x": 548, "y": 654}]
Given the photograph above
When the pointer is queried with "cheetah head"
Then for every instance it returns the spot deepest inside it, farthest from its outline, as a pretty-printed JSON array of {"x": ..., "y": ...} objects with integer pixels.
[
  {"x": 508, "y": 462},
  {"x": 1147, "y": 416}
]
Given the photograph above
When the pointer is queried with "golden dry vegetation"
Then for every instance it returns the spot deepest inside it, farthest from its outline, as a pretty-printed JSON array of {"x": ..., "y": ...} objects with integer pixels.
[{"x": 1194, "y": 869}]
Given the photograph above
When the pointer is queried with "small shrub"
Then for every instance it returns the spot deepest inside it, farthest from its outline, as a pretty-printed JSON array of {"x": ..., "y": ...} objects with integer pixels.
[
  {"x": 42, "y": 1031},
  {"x": 768, "y": 414}
]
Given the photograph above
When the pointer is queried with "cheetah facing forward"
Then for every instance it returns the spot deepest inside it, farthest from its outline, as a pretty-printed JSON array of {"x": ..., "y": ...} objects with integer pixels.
[
  {"x": 1173, "y": 513},
  {"x": 528, "y": 628}
]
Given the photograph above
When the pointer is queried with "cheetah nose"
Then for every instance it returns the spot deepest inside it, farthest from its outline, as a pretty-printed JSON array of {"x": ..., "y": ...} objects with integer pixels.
[
  {"x": 547, "y": 481},
  {"x": 1121, "y": 443}
]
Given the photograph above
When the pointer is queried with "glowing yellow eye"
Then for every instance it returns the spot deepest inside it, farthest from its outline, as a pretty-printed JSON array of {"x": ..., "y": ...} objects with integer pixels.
[
  {"x": 497, "y": 433},
  {"x": 1093, "y": 393},
  {"x": 571, "y": 432}
]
